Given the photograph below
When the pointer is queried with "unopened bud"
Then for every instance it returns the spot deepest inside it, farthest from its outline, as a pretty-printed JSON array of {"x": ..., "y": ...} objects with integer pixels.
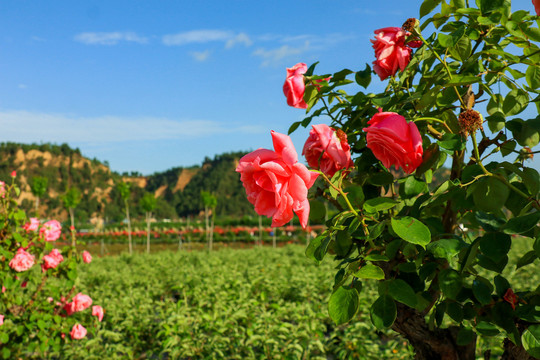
[{"x": 470, "y": 121}]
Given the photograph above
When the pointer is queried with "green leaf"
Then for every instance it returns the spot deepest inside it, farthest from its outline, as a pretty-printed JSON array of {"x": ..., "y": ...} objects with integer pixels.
[
  {"x": 515, "y": 102},
  {"x": 342, "y": 243},
  {"x": 462, "y": 50},
  {"x": 522, "y": 224},
  {"x": 532, "y": 75},
  {"x": 400, "y": 291},
  {"x": 465, "y": 336},
  {"x": 383, "y": 312},
  {"x": 461, "y": 80},
  {"x": 481, "y": 291},
  {"x": 343, "y": 305},
  {"x": 379, "y": 204},
  {"x": 450, "y": 283},
  {"x": 317, "y": 248},
  {"x": 495, "y": 245},
  {"x": 526, "y": 259},
  {"x": 411, "y": 230},
  {"x": 370, "y": 271},
  {"x": 454, "y": 310},
  {"x": 531, "y": 340},
  {"x": 317, "y": 210},
  {"x": 413, "y": 187},
  {"x": 363, "y": 78},
  {"x": 445, "y": 248},
  {"x": 293, "y": 127},
  {"x": 508, "y": 147},
  {"x": 490, "y": 194},
  {"x": 487, "y": 6},
  {"x": 487, "y": 329},
  {"x": 451, "y": 39},
  {"x": 453, "y": 142},
  {"x": 428, "y": 6}
]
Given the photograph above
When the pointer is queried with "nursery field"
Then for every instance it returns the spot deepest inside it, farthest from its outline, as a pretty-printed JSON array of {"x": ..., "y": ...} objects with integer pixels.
[{"x": 258, "y": 303}]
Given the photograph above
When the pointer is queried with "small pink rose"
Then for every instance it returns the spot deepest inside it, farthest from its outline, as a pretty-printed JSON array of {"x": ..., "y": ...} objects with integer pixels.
[
  {"x": 276, "y": 183},
  {"x": 78, "y": 332},
  {"x": 50, "y": 299},
  {"x": 52, "y": 260},
  {"x": 326, "y": 151},
  {"x": 97, "y": 311},
  {"x": 393, "y": 141},
  {"x": 391, "y": 52},
  {"x": 3, "y": 289},
  {"x": 80, "y": 302},
  {"x": 22, "y": 261},
  {"x": 1, "y": 320},
  {"x": 13, "y": 174},
  {"x": 87, "y": 258},
  {"x": 51, "y": 230},
  {"x": 33, "y": 225},
  {"x": 294, "y": 86},
  {"x": 2, "y": 189}
]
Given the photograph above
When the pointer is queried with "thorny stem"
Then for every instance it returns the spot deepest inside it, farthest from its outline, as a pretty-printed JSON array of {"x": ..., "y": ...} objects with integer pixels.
[
  {"x": 445, "y": 66},
  {"x": 349, "y": 205},
  {"x": 534, "y": 202},
  {"x": 434, "y": 120}
]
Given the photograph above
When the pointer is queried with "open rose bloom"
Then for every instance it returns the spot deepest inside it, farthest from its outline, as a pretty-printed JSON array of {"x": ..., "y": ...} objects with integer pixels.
[
  {"x": 33, "y": 225},
  {"x": 22, "y": 261},
  {"x": 97, "y": 311},
  {"x": 393, "y": 141},
  {"x": 87, "y": 258},
  {"x": 51, "y": 230},
  {"x": 52, "y": 260},
  {"x": 325, "y": 148},
  {"x": 78, "y": 332},
  {"x": 80, "y": 302},
  {"x": 276, "y": 183},
  {"x": 294, "y": 86},
  {"x": 391, "y": 52}
]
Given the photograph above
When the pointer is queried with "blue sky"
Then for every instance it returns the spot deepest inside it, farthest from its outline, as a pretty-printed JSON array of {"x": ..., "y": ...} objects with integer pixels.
[{"x": 149, "y": 85}]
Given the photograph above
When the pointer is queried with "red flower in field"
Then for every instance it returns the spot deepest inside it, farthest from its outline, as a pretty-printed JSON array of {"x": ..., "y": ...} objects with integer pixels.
[
  {"x": 87, "y": 258},
  {"x": 50, "y": 231},
  {"x": 22, "y": 261},
  {"x": 52, "y": 260},
  {"x": 78, "y": 332},
  {"x": 80, "y": 302},
  {"x": 276, "y": 183},
  {"x": 33, "y": 225},
  {"x": 326, "y": 150},
  {"x": 97, "y": 311},
  {"x": 394, "y": 141},
  {"x": 511, "y": 298}
]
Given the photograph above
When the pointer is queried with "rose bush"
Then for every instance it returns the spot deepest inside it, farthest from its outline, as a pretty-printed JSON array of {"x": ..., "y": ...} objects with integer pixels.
[{"x": 436, "y": 239}]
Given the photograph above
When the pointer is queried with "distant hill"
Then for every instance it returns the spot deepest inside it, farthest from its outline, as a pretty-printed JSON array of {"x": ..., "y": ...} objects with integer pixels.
[{"x": 177, "y": 190}]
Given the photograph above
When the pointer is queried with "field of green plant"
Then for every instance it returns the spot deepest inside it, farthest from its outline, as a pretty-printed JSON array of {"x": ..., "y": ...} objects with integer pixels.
[{"x": 259, "y": 303}]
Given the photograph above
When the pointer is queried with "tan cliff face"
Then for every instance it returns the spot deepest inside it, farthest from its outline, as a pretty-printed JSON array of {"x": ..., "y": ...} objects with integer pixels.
[{"x": 96, "y": 181}]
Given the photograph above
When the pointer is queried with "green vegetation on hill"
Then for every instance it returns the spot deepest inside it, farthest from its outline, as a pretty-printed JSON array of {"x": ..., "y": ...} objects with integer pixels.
[{"x": 177, "y": 190}]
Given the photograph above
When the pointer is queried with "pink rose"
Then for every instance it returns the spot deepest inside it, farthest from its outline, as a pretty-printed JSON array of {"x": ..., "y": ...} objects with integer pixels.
[
  {"x": 1, "y": 320},
  {"x": 391, "y": 51},
  {"x": 2, "y": 189},
  {"x": 51, "y": 230},
  {"x": 294, "y": 86},
  {"x": 394, "y": 141},
  {"x": 97, "y": 311},
  {"x": 80, "y": 302},
  {"x": 87, "y": 258},
  {"x": 325, "y": 148},
  {"x": 52, "y": 260},
  {"x": 33, "y": 225},
  {"x": 78, "y": 332},
  {"x": 22, "y": 261},
  {"x": 276, "y": 183},
  {"x": 536, "y": 4}
]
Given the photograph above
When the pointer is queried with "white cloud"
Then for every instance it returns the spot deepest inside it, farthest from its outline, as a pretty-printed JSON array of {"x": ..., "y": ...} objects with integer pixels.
[
  {"x": 274, "y": 56},
  {"x": 204, "y": 36},
  {"x": 109, "y": 38},
  {"x": 27, "y": 127},
  {"x": 200, "y": 55},
  {"x": 22, "y": 86}
]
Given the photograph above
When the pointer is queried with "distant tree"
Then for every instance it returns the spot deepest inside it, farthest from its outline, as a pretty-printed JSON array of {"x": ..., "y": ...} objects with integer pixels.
[
  {"x": 148, "y": 203},
  {"x": 71, "y": 199},
  {"x": 125, "y": 191},
  {"x": 38, "y": 187},
  {"x": 210, "y": 203}
]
